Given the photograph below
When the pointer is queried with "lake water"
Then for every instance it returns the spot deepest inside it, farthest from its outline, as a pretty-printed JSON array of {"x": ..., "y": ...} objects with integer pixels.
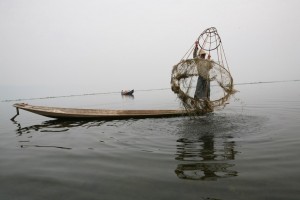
[{"x": 248, "y": 150}]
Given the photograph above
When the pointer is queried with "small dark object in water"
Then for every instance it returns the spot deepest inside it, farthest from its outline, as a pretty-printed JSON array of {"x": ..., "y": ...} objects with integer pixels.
[{"x": 127, "y": 92}]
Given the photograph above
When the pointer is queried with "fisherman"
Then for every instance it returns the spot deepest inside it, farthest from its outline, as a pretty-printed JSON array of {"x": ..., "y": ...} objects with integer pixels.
[{"x": 203, "y": 67}]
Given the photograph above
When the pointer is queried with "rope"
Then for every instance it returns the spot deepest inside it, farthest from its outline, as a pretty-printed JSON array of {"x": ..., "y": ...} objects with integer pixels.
[
  {"x": 192, "y": 47},
  {"x": 142, "y": 90},
  {"x": 204, "y": 42},
  {"x": 225, "y": 57}
]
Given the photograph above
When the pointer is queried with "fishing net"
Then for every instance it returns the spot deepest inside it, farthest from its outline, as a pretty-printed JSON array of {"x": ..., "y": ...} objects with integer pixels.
[{"x": 210, "y": 75}]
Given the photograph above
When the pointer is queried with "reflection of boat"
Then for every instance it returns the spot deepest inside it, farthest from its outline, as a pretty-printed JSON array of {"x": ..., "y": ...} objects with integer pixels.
[
  {"x": 127, "y": 92},
  {"x": 76, "y": 113},
  {"x": 57, "y": 125},
  {"x": 127, "y": 96}
]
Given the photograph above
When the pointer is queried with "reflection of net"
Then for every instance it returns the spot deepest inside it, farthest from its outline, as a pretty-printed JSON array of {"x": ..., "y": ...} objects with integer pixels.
[{"x": 184, "y": 73}]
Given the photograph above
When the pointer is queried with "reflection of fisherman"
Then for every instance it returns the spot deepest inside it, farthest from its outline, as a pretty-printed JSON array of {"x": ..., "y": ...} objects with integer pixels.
[{"x": 203, "y": 67}]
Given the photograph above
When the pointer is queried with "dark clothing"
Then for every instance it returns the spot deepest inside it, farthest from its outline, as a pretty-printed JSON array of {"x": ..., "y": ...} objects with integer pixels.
[
  {"x": 202, "y": 88},
  {"x": 203, "y": 84}
]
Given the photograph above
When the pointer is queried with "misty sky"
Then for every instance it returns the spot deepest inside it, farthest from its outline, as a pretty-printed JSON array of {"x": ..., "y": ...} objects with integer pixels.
[{"x": 109, "y": 45}]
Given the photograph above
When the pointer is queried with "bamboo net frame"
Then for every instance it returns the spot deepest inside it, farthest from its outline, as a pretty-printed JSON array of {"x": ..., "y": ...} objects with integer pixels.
[{"x": 216, "y": 71}]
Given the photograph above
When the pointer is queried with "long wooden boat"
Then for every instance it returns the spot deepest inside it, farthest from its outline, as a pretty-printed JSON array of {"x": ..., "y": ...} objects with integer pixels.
[{"x": 76, "y": 113}]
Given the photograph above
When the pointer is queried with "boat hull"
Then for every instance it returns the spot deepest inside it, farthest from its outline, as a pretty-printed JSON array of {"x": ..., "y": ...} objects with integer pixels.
[{"x": 76, "y": 113}]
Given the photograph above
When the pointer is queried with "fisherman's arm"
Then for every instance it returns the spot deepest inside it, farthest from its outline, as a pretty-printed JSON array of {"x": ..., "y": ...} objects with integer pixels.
[{"x": 195, "y": 50}]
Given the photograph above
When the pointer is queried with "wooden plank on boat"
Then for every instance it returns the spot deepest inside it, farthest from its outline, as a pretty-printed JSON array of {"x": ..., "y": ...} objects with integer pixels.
[{"x": 77, "y": 113}]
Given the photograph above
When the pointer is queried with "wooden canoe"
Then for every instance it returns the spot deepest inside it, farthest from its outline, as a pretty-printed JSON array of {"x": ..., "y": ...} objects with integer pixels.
[{"x": 76, "y": 113}]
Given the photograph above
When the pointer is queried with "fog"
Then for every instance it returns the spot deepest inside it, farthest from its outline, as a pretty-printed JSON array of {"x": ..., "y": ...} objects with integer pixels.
[{"x": 109, "y": 45}]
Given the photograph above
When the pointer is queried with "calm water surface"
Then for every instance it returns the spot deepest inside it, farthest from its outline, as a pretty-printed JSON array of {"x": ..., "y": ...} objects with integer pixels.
[{"x": 249, "y": 150}]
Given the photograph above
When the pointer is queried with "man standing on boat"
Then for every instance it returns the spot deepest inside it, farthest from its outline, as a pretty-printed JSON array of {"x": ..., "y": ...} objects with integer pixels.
[{"x": 203, "y": 67}]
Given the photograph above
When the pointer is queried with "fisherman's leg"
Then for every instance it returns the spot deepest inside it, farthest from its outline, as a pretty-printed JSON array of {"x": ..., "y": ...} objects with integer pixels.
[
  {"x": 206, "y": 88},
  {"x": 200, "y": 89}
]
